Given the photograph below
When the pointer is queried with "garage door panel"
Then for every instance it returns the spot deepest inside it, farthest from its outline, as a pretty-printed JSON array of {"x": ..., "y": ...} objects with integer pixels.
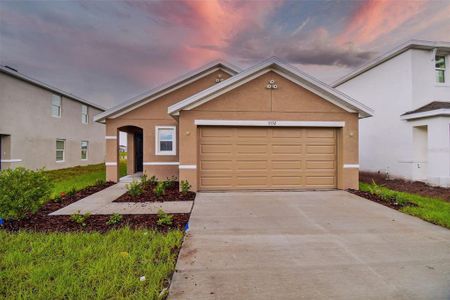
[
  {"x": 289, "y": 149},
  {"x": 267, "y": 158}
]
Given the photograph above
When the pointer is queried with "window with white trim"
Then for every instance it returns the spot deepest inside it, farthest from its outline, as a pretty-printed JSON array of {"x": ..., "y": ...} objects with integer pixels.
[
  {"x": 84, "y": 114},
  {"x": 440, "y": 68},
  {"x": 165, "y": 140},
  {"x": 60, "y": 147},
  {"x": 84, "y": 150},
  {"x": 56, "y": 106}
]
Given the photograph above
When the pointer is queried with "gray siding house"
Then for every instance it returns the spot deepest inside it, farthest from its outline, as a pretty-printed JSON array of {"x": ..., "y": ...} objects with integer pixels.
[{"x": 42, "y": 126}]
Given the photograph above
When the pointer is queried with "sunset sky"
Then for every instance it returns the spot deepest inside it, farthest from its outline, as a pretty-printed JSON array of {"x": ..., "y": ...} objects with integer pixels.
[{"x": 109, "y": 51}]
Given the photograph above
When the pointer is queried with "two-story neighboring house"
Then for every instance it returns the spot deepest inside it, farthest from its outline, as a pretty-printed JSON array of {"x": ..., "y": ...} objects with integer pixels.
[
  {"x": 409, "y": 89},
  {"x": 42, "y": 126}
]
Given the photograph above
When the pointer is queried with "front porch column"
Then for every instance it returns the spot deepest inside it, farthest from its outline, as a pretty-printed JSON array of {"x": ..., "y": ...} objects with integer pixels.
[
  {"x": 112, "y": 157},
  {"x": 439, "y": 152}
]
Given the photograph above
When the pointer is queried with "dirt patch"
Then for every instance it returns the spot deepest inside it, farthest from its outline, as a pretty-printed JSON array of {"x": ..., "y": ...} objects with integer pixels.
[
  {"x": 413, "y": 187},
  {"x": 391, "y": 202},
  {"x": 172, "y": 194},
  {"x": 45, "y": 223}
]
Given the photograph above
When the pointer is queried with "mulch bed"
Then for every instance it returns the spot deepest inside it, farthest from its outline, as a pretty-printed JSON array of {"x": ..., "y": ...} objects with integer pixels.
[
  {"x": 413, "y": 187},
  {"x": 41, "y": 221},
  {"x": 44, "y": 223},
  {"x": 389, "y": 202},
  {"x": 172, "y": 194}
]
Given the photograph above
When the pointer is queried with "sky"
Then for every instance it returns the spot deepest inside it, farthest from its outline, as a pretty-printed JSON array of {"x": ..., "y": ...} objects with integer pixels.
[{"x": 110, "y": 51}]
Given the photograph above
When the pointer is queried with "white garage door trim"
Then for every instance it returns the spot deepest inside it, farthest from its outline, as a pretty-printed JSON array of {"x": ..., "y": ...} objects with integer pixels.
[{"x": 269, "y": 123}]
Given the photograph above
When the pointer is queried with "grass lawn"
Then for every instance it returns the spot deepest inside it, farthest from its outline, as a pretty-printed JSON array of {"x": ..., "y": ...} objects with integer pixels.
[
  {"x": 86, "y": 265},
  {"x": 433, "y": 210},
  {"x": 80, "y": 177}
]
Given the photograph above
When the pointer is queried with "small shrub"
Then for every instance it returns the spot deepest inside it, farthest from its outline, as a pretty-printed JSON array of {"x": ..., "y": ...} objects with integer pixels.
[
  {"x": 134, "y": 188},
  {"x": 185, "y": 187},
  {"x": 144, "y": 180},
  {"x": 164, "y": 218},
  {"x": 72, "y": 192},
  {"x": 168, "y": 183},
  {"x": 22, "y": 191},
  {"x": 80, "y": 219},
  {"x": 114, "y": 219},
  {"x": 153, "y": 180},
  {"x": 160, "y": 189}
]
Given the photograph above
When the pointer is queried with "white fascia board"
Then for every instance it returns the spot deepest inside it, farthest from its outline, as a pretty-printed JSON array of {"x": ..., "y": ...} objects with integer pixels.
[
  {"x": 273, "y": 64},
  {"x": 166, "y": 88},
  {"x": 269, "y": 123},
  {"x": 427, "y": 114}
]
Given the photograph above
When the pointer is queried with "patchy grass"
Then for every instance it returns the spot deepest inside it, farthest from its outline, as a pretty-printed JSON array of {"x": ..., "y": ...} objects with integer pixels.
[
  {"x": 87, "y": 265},
  {"x": 80, "y": 177},
  {"x": 433, "y": 210}
]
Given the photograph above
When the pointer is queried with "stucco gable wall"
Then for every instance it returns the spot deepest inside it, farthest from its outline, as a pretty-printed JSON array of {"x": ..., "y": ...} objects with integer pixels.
[
  {"x": 157, "y": 109},
  {"x": 253, "y": 96}
]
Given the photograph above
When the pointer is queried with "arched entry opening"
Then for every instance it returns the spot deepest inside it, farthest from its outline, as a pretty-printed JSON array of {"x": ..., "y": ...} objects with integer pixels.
[{"x": 131, "y": 148}]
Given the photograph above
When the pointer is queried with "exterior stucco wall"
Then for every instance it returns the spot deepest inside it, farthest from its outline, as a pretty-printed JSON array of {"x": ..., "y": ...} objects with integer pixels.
[
  {"x": 385, "y": 140},
  {"x": 25, "y": 115},
  {"x": 147, "y": 117},
  {"x": 252, "y": 101}
]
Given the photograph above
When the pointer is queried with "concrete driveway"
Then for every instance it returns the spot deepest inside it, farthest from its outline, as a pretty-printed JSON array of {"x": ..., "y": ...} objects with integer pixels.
[{"x": 309, "y": 245}]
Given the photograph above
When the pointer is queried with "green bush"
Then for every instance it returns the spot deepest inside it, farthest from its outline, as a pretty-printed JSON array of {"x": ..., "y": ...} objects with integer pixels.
[
  {"x": 160, "y": 189},
  {"x": 185, "y": 187},
  {"x": 80, "y": 219},
  {"x": 115, "y": 218},
  {"x": 134, "y": 188},
  {"x": 153, "y": 180},
  {"x": 22, "y": 191},
  {"x": 164, "y": 218},
  {"x": 144, "y": 180}
]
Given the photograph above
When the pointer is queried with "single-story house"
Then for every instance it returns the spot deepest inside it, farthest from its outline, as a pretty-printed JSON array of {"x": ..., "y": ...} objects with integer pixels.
[{"x": 270, "y": 126}]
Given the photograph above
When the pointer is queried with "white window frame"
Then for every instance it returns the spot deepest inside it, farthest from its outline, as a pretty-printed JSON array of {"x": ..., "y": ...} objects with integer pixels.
[
  {"x": 54, "y": 96},
  {"x": 441, "y": 69},
  {"x": 63, "y": 150},
  {"x": 83, "y": 119},
  {"x": 174, "y": 141},
  {"x": 87, "y": 149}
]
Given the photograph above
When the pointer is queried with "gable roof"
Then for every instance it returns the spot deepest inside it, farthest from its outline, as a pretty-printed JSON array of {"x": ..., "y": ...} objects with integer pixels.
[
  {"x": 23, "y": 77},
  {"x": 412, "y": 44},
  {"x": 290, "y": 72},
  {"x": 166, "y": 88}
]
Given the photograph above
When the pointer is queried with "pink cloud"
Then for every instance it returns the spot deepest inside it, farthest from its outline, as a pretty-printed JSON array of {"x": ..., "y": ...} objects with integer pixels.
[{"x": 377, "y": 17}]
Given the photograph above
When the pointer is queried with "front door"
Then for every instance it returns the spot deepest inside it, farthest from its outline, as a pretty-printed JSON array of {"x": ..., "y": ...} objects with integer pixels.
[{"x": 138, "y": 151}]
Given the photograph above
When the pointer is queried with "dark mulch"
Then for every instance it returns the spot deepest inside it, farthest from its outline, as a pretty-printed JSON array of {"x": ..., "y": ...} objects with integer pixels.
[
  {"x": 172, "y": 194},
  {"x": 67, "y": 199},
  {"x": 392, "y": 203},
  {"x": 41, "y": 221},
  {"x": 45, "y": 223},
  {"x": 413, "y": 187}
]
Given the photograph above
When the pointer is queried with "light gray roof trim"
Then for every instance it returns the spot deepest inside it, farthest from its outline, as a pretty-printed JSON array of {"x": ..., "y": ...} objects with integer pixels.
[
  {"x": 43, "y": 85},
  {"x": 275, "y": 63},
  {"x": 412, "y": 44},
  {"x": 159, "y": 90}
]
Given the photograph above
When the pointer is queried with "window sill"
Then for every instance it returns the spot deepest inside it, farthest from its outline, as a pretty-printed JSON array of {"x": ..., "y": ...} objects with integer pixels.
[
  {"x": 442, "y": 84},
  {"x": 166, "y": 154},
  {"x": 60, "y": 161}
]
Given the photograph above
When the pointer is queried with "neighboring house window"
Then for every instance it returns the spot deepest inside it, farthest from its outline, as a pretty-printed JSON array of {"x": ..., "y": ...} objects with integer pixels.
[
  {"x": 56, "y": 106},
  {"x": 84, "y": 114},
  {"x": 60, "y": 145},
  {"x": 165, "y": 140},
  {"x": 440, "y": 68},
  {"x": 84, "y": 150}
]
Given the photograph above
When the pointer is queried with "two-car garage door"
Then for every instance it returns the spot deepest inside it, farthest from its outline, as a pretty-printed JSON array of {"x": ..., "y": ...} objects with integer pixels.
[{"x": 267, "y": 158}]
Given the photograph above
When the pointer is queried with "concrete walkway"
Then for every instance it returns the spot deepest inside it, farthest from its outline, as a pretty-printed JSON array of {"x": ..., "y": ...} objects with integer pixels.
[
  {"x": 309, "y": 245},
  {"x": 101, "y": 203}
]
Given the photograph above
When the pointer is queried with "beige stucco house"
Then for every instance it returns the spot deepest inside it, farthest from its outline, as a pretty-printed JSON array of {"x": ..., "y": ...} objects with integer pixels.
[
  {"x": 42, "y": 126},
  {"x": 270, "y": 126}
]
